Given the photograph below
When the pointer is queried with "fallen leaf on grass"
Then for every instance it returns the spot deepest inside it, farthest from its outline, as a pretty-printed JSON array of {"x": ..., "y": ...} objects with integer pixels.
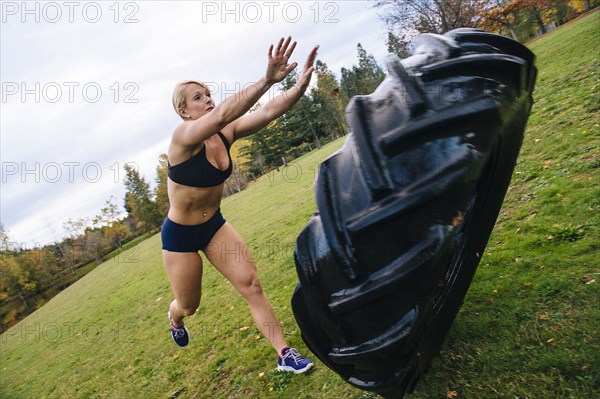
[
  {"x": 587, "y": 279},
  {"x": 244, "y": 328},
  {"x": 551, "y": 340},
  {"x": 159, "y": 298},
  {"x": 544, "y": 316},
  {"x": 451, "y": 394},
  {"x": 176, "y": 393},
  {"x": 261, "y": 374}
]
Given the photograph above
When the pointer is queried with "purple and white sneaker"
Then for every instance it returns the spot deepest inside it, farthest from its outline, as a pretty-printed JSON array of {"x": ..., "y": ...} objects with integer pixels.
[
  {"x": 180, "y": 334},
  {"x": 293, "y": 361}
]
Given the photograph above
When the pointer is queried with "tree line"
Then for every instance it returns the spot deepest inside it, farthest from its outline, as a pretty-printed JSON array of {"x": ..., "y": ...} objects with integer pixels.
[
  {"x": 30, "y": 277},
  {"x": 522, "y": 20}
]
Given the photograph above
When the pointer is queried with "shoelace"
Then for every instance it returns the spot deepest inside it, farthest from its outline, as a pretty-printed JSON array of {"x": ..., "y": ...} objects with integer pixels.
[
  {"x": 178, "y": 332},
  {"x": 294, "y": 354}
]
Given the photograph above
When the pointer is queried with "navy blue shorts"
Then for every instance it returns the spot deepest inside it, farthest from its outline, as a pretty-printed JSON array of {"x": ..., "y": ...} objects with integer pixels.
[{"x": 190, "y": 238}]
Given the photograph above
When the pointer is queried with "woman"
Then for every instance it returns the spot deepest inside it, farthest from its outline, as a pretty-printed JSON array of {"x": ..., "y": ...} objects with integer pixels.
[{"x": 199, "y": 164}]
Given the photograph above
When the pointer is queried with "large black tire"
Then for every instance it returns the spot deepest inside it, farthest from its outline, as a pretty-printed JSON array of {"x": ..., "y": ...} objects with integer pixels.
[{"x": 406, "y": 207}]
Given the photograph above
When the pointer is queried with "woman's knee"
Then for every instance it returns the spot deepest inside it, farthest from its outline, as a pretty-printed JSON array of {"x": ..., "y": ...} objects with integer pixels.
[{"x": 250, "y": 287}]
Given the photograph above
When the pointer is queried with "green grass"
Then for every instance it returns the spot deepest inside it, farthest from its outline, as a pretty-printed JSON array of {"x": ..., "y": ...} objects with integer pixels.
[{"x": 528, "y": 328}]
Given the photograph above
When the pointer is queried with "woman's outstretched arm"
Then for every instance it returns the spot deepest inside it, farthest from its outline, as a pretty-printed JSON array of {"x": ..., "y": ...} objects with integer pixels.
[
  {"x": 195, "y": 131},
  {"x": 252, "y": 123}
]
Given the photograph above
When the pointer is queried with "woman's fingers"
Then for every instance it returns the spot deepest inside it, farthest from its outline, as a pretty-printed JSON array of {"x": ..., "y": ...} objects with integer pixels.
[
  {"x": 278, "y": 47},
  {"x": 291, "y": 68},
  {"x": 288, "y": 54},
  {"x": 285, "y": 46},
  {"x": 307, "y": 73},
  {"x": 311, "y": 58},
  {"x": 283, "y": 51}
]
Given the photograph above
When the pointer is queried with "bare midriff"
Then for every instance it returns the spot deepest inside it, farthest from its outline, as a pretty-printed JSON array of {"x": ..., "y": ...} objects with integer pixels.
[{"x": 193, "y": 205}]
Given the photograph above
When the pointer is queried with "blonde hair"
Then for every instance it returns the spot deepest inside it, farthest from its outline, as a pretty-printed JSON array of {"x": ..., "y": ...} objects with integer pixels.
[{"x": 178, "y": 95}]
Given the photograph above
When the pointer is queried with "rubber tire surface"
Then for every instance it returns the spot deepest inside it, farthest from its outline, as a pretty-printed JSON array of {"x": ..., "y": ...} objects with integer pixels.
[{"x": 407, "y": 205}]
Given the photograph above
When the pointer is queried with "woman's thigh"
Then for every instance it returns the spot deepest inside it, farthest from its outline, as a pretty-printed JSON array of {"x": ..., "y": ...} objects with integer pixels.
[
  {"x": 184, "y": 270},
  {"x": 229, "y": 254}
]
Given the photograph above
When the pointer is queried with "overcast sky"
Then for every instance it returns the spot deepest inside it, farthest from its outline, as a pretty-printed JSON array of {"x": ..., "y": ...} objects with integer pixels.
[{"x": 86, "y": 87}]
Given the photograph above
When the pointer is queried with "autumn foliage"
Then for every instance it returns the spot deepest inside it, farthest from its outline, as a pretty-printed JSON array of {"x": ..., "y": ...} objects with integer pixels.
[
  {"x": 524, "y": 19},
  {"x": 521, "y": 20}
]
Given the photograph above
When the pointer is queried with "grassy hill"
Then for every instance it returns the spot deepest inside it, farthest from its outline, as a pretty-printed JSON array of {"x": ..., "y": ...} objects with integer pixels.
[{"x": 528, "y": 328}]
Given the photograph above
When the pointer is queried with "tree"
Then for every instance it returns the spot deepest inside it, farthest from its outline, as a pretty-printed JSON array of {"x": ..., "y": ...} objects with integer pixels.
[
  {"x": 236, "y": 182},
  {"x": 395, "y": 45},
  {"x": 581, "y": 5},
  {"x": 407, "y": 18},
  {"x": 138, "y": 200},
  {"x": 111, "y": 226},
  {"x": 524, "y": 19},
  {"x": 14, "y": 280},
  {"x": 327, "y": 102},
  {"x": 499, "y": 18},
  {"x": 72, "y": 249},
  {"x": 161, "y": 194},
  {"x": 95, "y": 245},
  {"x": 361, "y": 79},
  {"x": 299, "y": 127}
]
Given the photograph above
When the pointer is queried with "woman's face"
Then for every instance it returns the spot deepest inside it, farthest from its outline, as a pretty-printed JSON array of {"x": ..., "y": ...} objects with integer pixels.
[{"x": 198, "y": 102}]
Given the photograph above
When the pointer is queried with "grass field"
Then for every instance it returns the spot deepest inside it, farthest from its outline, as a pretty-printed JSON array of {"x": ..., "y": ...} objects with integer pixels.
[{"x": 529, "y": 327}]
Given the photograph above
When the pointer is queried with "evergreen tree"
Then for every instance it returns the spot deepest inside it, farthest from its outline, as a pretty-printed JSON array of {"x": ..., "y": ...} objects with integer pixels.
[
  {"x": 327, "y": 104},
  {"x": 396, "y": 45},
  {"x": 138, "y": 200},
  {"x": 162, "y": 197},
  {"x": 361, "y": 79}
]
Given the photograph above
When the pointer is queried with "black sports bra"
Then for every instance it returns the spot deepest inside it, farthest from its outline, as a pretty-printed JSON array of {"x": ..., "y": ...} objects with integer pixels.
[{"x": 198, "y": 172}]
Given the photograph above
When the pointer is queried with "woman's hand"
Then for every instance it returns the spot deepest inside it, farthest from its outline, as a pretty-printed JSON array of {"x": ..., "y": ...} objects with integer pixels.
[
  {"x": 278, "y": 69},
  {"x": 307, "y": 70}
]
